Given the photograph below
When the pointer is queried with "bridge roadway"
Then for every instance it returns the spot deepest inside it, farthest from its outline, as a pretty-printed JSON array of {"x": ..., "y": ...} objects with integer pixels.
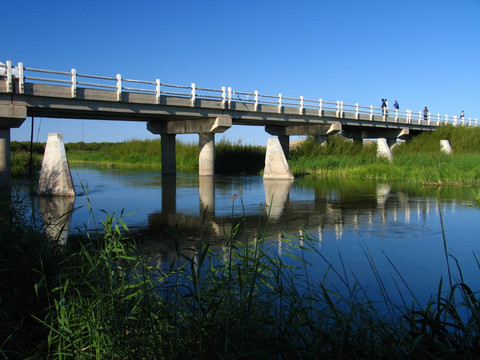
[{"x": 169, "y": 110}]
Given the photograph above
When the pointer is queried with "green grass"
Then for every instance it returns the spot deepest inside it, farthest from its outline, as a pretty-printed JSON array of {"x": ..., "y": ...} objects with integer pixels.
[
  {"x": 419, "y": 160},
  {"x": 98, "y": 297}
]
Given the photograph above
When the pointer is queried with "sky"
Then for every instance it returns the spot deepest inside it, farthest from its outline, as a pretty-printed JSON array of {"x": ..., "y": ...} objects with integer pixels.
[{"x": 419, "y": 52}]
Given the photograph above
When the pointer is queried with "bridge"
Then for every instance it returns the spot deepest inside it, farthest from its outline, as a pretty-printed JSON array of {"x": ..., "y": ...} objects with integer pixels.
[{"x": 169, "y": 109}]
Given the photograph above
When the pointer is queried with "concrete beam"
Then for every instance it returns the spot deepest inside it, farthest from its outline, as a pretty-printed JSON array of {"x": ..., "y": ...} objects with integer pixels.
[
  {"x": 12, "y": 116},
  {"x": 315, "y": 129},
  {"x": 219, "y": 124},
  {"x": 372, "y": 133}
]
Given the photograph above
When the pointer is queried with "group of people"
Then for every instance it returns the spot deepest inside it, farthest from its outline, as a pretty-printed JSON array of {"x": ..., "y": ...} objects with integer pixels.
[
  {"x": 384, "y": 106},
  {"x": 396, "y": 106}
]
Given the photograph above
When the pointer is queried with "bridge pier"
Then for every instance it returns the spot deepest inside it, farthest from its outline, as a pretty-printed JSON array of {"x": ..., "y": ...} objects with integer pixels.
[
  {"x": 320, "y": 131},
  {"x": 10, "y": 117},
  {"x": 285, "y": 144},
  {"x": 204, "y": 127},
  {"x": 5, "y": 176},
  {"x": 168, "y": 154},
  {"x": 206, "y": 154}
]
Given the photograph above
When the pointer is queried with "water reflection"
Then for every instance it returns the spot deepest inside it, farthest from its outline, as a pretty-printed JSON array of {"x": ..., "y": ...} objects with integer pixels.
[
  {"x": 56, "y": 213},
  {"x": 276, "y": 196},
  {"x": 340, "y": 217}
]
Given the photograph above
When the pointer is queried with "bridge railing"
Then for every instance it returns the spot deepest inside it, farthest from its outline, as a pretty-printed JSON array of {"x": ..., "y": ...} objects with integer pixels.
[{"x": 226, "y": 96}]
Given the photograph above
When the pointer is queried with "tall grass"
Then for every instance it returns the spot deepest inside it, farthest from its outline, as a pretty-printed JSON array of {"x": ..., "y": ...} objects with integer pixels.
[
  {"x": 104, "y": 299},
  {"x": 418, "y": 160}
]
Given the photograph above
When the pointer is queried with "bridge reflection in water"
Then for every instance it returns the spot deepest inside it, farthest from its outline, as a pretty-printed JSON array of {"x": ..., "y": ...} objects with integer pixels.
[{"x": 314, "y": 209}]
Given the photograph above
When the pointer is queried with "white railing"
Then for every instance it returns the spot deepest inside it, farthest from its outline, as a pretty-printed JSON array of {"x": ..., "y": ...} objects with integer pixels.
[{"x": 226, "y": 95}]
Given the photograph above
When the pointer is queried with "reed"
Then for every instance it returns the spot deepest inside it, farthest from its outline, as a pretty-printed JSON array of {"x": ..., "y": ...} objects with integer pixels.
[{"x": 99, "y": 297}]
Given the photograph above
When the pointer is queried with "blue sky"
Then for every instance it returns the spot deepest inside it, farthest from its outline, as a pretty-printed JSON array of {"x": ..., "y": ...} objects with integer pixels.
[{"x": 419, "y": 52}]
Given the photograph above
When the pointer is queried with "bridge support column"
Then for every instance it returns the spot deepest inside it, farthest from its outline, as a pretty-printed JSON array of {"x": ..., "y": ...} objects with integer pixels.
[
  {"x": 206, "y": 191},
  {"x": 321, "y": 140},
  {"x": 11, "y": 116},
  {"x": 285, "y": 144},
  {"x": 168, "y": 154},
  {"x": 206, "y": 154},
  {"x": 391, "y": 142},
  {"x": 5, "y": 177}
]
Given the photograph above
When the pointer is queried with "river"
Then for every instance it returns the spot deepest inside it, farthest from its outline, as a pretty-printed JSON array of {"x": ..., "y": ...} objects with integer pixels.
[{"x": 396, "y": 227}]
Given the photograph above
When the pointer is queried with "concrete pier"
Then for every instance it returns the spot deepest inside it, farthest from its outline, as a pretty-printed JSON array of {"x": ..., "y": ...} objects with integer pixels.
[
  {"x": 445, "y": 147},
  {"x": 206, "y": 154},
  {"x": 276, "y": 165},
  {"x": 55, "y": 177},
  {"x": 5, "y": 178},
  {"x": 383, "y": 149},
  {"x": 206, "y": 128},
  {"x": 11, "y": 116},
  {"x": 168, "y": 154}
]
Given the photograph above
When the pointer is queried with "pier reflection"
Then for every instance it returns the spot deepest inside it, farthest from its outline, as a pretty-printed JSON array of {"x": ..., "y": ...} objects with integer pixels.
[
  {"x": 317, "y": 211},
  {"x": 56, "y": 213}
]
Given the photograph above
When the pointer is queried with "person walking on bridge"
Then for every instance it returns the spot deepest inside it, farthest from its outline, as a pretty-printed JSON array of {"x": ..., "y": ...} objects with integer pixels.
[
  {"x": 425, "y": 113},
  {"x": 383, "y": 106},
  {"x": 462, "y": 115},
  {"x": 396, "y": 106}
]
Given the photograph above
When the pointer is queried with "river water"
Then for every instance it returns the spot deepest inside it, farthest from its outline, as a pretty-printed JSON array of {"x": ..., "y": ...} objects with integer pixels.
[{"x": 397, "y": 226}]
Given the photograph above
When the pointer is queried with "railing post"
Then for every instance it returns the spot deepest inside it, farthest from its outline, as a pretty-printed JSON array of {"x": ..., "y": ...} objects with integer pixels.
[
  {"x": 21, "y": 79},
  {"x": 193, "y": 94},
  {"x": 454, "y": 120},
  {"x": 371, "y": 112},
  {"x": 396, "y": 115},
  {"x": 446, "y": 119},
  {"x": 341, "y": 109},
  {"x": 229, "y": 96},
  {"x": 429, "y": 118},
  {"x": 73, "y": 93},
  {"x": 255, "y": 107},
  {"x": 438, "y": 119},
  {"x": 469, "y": 121},
  {"x": 476, "y": 122},
  {"x": 320, "y": 107},
  {"x": 420, "y": 118},
  {"x": 357, "y": 113},
  {"x": 119, "y": 87},
  {"x": 338, "y": 109},
  {"x": 9, "y": 76},
  {"x": 158, "y": 91},
  {"x": 224, "y": 97},
  {"x": 300, "y": 111},
  {"x": 280, "y": 103},
  {"x": 463, "y": 121}
]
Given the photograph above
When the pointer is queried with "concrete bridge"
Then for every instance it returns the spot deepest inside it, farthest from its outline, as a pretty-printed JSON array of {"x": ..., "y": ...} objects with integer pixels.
[{"x": 169, "y": 110}]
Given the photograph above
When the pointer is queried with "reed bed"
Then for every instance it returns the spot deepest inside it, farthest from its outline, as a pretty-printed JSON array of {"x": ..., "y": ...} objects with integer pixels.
[
  {"x": 99, "y": 297},
  {"x": 419, "y": 160}
]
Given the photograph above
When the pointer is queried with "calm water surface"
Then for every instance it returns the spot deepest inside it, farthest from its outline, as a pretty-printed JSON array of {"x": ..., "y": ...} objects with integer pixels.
[{"x": 392, "y": 223}]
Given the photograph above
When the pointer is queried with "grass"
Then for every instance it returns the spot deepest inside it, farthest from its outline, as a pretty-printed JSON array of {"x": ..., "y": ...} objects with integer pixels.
[
  {"x": 418, "y": 160},
  {"x": 98, "y": 297}
]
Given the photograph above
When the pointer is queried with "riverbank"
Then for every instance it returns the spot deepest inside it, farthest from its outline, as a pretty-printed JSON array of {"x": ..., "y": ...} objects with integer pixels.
[
  {"x": 419, "y": 160},
  {"x": 97, "y": 296}
]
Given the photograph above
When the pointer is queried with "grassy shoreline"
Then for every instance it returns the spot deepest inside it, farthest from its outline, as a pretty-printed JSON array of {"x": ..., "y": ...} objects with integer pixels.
[{"x": 419, "y": 160}]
